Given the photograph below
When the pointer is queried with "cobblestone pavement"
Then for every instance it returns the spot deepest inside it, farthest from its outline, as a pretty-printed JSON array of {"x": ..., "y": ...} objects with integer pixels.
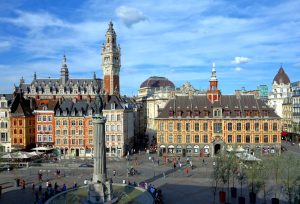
[{"x": 177, "y": 186}]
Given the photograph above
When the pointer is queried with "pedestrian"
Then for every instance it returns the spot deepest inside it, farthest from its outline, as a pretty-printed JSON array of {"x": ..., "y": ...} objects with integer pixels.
[
  {"x": 40, "y": 176},
  {"x": 114, "y": 172},
  {"x": 47, "y": 183},
  {"x": 23, "y": 184},
  {"x": 75, "y": 185},
  {"x": 180, "y": 164},
  {"x": 203, "y": 162},
  {"x": 157, "y": 162},
  {"x": 174, "y": 165},
  {"x": 55, "y": 187},
  {"x": 40, "y": 187},
  {"x": 164, "y": 174},
  {"x": 0, "y": 191},
  {"x": 214, "y": 163},
  {"x": 33, "y": 187},
  {"x": 191, "y": 164},
  {"x": 187, "y": 171}
]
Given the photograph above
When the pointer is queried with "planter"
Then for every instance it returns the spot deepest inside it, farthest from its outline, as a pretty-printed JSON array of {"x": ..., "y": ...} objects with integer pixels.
[
  {"x": 252, "y": 197},
  {"x": 222, "y": 197},
  {"x": 233, "y": 192},
  {"x": 275, "y": 201},
  {"x": 242, "y": 200}
]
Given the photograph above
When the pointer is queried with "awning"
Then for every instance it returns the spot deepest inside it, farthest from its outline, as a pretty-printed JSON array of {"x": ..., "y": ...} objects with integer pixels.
[
  {"x": 41, "y": 148},
  {"x": 171, "y": 146},
  {"x": 283, "y": 133},
  {"x": 162, "y": 146},
  {"x": 229, "y": 148}
]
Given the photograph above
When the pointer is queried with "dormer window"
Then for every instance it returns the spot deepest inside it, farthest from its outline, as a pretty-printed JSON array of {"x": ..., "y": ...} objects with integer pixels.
[
  {"x": 113, "y": 106},
  {"x": 179, "y": 113},
  {"x": 196, "y": 113},
  {"x": 217, "y": 113},
  {"x": 171, "y": 113},
  {"x": 266, "y": 113},
  {"x": 227, "y": 113},
  {"x": 205, "y": 113},
  {"x": 65, "y": 113},
  {"x": 45, "y": 108},
  {"x": 90, "y": 112},
  {"x": 238, "y": 113},
  {"x": 189, "y": 113},
  {"x": 80, "y": 113},
  {"x": 248, "y": 113},
  {"x": 73, "y": 113}
]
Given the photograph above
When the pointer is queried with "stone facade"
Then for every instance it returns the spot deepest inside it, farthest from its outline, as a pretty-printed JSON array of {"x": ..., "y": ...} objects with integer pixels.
[
  {"x": 296, "y": 106},
  {"x": 280, "y": 90},
  {"x": 5, "y": 134}
]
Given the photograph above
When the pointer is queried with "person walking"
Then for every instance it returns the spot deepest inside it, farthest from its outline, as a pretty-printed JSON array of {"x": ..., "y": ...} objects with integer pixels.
[
  {"x": 23, "y": 184},
  {"x": 187, "y": 171},
  {"x": 114, "y": 172},
  {"x": 33, "y": 187},
  {"x": 40, "y": 187}
]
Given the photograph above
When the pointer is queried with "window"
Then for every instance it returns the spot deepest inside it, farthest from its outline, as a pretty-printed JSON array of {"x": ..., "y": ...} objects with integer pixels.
[
  {"x": 113, "y": 106},
  {"x": 39, "y": 127},
  {"x": 238, "y": 126},
  {"x": 197, "y": 140},
  {"x": 50, "y": 127},
  {"x": 49, "y": 118},
  {"x": 112, "y": 117},
  {"x": 178, "y": 126},
  {"x": 256, "y": 126},
  {"x": 44, "y": 128},
  {"x": 196, "y": 126},
  {"x": 247, "y": 138},
  {"x": 90, "y": 122},
  {"x": 112, "y": 128},
  {"x": 80, "y": 122},
  {"x": 90, "y": 132},
  {"x": 238, "y": 138},
  {"x": 217, "y": 112},
  {"x": 170, "y": 126},
  {"x": 266, "y": 127},
  {"x": 21, "y": 141},
  {"x": 49, "y": 138},
  {"x": 118, "y": 117},
  {"x": 80, "y": 133},
  {"x": 205, "y": 138},
  {"x": 170, "y": 139},
  {"x": 65, "y": 132},
  {"x": 229, "y": 138},
  {"x": 107, "y": 128},
  {"x": 73, "y": 123},
  {"x": 188, "y": 139},
  {"x": 15, "y": 123},
  {"x": 179, "y": 139},
  {"x": 161, "y": 126},
  {"x": 205, "y": 126},
  {"x": 44, "y": 118},
  {"x": 217, "y": 127},
  {"x": 15, "y": 131},
  {"x": 80, "y": 141},
  {"x": 256, "y": 139},
  {"x": 58, "y": 141},
  {"x": 247, "y": 126},
  {"x": 266, "y": 139},
  {"x": 20, "y": 131},
  {"x": 274, "y": 126},
  {"x": 162, "y": 138},
  {"x": 45, "y": 138},
  {"x": 119, "y": 138},
  {"x": 229, "y": 126},
  {"x": 73, "y": 132},
  {"x": 90, "y": 141},
  {"x": 40, "y": 138},
  {"x": 57, "y": 132},
  {"x": 73, "y": 141},
  {"x": 187, "y": 126},
  {"x": 274, "y": 138},
  {"x": 65, "y": 141},
  {"x": 107, "y": 138},
  {"x": 57, "y": 122},
  {"x": 65, "y": 122},
  {"x": 118, "y": 127},
  {"x": 20, "y": 122},
  {"x": 39, "y": 118},
  {"x": 112, "y": 138}
]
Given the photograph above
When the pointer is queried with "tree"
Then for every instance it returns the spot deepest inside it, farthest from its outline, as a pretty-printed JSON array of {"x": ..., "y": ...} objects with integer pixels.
[
  {"x": 290, "y": 175},
  {"x": 275, "y": 171},
  {"x": 216, "y": 175}
]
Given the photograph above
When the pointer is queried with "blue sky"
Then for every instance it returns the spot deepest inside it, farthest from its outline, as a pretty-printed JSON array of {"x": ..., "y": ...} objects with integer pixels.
[{"x": 248, "y": 40}]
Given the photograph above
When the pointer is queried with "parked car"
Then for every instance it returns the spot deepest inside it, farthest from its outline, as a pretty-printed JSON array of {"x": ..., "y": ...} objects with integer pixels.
[{"x": 86, "y": 165}]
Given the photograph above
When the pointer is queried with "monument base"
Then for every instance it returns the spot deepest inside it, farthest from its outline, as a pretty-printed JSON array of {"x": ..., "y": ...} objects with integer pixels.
[{"x": 100, "y": 193}]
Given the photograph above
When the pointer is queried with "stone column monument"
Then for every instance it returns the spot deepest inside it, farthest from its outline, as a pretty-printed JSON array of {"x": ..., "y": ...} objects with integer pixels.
[{"x": 100, "y": 189}]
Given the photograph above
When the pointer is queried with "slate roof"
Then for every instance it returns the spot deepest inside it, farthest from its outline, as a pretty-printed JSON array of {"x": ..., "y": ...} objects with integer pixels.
[
  {"x": 54, "y": 84},
  {"x": 200, "y": 103},
  {"x": 21, "y": 106},
  {"x": 157, "y": 82},
  {"x": 281, "y": 77},
  {"x": 48, "y": 104}
]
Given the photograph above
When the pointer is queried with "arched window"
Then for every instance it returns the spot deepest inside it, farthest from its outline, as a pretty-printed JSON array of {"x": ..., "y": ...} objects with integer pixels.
[
  {"x": 20, "y": 131},
  {"x": 15, "y": 131}
]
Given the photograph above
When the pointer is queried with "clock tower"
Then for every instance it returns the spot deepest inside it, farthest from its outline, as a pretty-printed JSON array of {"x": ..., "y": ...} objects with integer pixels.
[{"x": 111, "y": 62}]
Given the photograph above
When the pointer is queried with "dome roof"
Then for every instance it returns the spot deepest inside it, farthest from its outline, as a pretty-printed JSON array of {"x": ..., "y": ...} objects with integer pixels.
[
  {"x": 157, "y": 82},
  {"x": 281, "y": 77}
]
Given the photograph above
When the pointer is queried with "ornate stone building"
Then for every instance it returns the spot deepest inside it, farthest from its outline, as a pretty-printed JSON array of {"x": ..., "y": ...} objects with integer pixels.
[
  {"x": 280, "y": 90},
  {"x": 204, "y": 124},
  {"x": 295, "y": 99},
  {"x": 5, "y": 136},
  {"x": 287, "y": 115}
]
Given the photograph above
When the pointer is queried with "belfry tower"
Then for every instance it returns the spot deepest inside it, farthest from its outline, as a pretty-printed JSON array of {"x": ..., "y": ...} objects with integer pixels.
[
  {"x": 111, "y": 62},
  {"x": 213, "y": 93}
]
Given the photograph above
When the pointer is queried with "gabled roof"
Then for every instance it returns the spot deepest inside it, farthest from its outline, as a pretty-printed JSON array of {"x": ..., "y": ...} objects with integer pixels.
[
  {"x": 22, "y": 106},
  {"x": 281, "y": 77}
]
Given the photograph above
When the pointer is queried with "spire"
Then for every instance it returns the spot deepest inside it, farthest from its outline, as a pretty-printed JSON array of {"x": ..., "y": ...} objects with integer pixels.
[
  {"x": 22, "y": 81},
  {"x": 64, "y": 72},
  {"x": 34, "y": 76},
  {"x": 213, "y": 73},
  {"x": 110, "y": 27},
  {"x": 94, "y": 75}
]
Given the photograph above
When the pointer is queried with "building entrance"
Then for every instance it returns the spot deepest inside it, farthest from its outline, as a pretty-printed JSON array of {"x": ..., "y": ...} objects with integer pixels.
[{"x": 217, "y": 148}]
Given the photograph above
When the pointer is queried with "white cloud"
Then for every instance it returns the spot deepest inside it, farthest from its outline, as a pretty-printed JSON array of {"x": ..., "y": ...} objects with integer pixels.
[
  {"x": 238, "y": 69},
  {"x": 4, "y": 45},
  {"x": 130, "y": 15},
  {"x": 240, "y": 60}
]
